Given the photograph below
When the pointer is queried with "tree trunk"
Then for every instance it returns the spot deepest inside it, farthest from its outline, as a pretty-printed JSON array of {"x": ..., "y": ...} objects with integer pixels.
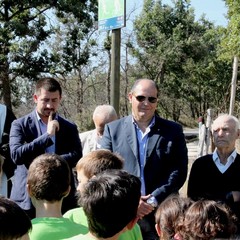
[{"x": 6, "y": 89}]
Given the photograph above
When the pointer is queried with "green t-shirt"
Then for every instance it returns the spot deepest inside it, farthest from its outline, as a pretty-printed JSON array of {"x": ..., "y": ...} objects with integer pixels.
[
  {"x": 78, "y": 216},
  {"x": 49, "y": 228},
  {"x": 81, "y": 237}
]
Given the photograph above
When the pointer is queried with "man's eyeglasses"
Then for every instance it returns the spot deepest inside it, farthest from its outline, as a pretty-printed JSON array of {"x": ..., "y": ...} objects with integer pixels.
[{"x": 143, "y": 98}]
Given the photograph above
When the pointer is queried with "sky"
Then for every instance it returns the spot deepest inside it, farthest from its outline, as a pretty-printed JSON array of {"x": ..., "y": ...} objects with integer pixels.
[{"x": 215, "y": 10}]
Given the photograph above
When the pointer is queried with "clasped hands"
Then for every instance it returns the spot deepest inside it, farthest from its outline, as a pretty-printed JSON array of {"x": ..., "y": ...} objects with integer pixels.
[{"x": 144, "y": 208}]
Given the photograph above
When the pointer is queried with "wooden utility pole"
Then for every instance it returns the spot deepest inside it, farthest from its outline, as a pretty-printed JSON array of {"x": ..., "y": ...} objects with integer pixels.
[
  {"x": 233, "y": 85},
  {"x": 115, "y": 69},
  {"x": 112, "y": 16}
]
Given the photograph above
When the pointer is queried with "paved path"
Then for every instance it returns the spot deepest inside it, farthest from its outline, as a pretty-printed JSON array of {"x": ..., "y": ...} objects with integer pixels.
[
  {"x": 192, "y": 150},
  {"x": 192, "y": 155}
]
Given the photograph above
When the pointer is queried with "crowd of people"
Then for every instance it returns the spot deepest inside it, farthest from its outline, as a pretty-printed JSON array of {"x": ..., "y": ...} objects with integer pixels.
[{"x": 118, "y": 181}]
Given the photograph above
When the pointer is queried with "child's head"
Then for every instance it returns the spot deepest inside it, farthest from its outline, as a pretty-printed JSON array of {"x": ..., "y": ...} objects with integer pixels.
[
  {"x": 94, "y": 163},
  {"x": 110, "y": 201},
  {"x": 48, "y": 178},
  {"x": 170, "y": 214},
  {"x": 207, "y": 219},
  {"x": 14, "y": 222}
]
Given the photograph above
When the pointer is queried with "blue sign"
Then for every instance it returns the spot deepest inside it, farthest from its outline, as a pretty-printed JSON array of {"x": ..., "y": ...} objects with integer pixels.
[{"x": 111, "y": 14}]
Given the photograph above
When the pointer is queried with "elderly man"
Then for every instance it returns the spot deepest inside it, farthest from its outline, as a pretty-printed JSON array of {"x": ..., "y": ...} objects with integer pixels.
[
  {"x": 102, "y": 115},
  {"x": 216, "y": 176},
  {"x": 153, "y": 148}
]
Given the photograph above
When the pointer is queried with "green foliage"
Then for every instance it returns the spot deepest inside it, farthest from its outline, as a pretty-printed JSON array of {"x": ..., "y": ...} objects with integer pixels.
[
  {"x": 230, "y": 44},
  {"x": 181, "y": 55},
  {"x": 25, "y": 27}
]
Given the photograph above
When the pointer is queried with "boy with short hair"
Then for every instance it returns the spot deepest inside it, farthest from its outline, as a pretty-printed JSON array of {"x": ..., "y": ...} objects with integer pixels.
[
  {"x": 88, "y": 166},
  {"x": 110, "y": 201},
  {"x": 48, "y": 182}
]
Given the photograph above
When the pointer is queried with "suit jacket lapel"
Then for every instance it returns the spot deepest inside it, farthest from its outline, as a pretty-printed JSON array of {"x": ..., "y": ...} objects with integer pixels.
[
  {"x": 34, "y": 124},
  {"x": 59, "y": 135},
  {"x": 131, "y": 135},
  {"x": 153, "y": 137}
]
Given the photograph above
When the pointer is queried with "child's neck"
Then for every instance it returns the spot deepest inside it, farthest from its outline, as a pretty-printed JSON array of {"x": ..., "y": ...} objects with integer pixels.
[
  {"x": 115, "y": 237},
  {"x": 47, "y": 209}
]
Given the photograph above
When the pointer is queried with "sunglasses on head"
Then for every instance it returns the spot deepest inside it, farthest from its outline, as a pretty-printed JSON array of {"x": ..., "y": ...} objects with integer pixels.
[{"x": 143, "y": 98}]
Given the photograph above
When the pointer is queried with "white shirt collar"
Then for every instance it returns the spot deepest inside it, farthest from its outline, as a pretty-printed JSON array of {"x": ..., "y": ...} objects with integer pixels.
[
  {"x": 151, "y": 124},
  {"x": 222, "y": 168}
]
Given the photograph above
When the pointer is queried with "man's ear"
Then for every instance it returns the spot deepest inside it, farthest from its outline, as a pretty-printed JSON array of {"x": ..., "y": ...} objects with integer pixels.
[
  {"x": 35, "y": 98},
  {"x": 158, "y": 229},
  {"x": 130, "y": 97},
  {"x": 238, "y": 133}
]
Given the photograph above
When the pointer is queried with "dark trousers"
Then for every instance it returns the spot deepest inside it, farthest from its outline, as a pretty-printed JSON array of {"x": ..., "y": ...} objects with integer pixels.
[{"x": 147, "y": 225}]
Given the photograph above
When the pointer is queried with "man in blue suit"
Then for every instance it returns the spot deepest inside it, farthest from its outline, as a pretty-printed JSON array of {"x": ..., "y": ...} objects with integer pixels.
[
  {"x": 43, "y": 130},
  {"x": 154, "y": 149}
]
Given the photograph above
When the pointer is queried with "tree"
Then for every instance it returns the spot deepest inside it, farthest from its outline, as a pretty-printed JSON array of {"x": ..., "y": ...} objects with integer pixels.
[
  {"x": 181, "y": 55},
  {"x": 230, "y": 45},
  {"x": 71, "y": 50},
  {"x": 25, "y": 26}
]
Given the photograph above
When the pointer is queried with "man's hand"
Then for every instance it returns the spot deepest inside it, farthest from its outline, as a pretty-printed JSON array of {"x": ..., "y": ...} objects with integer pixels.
[
  {"x": 52, "y": 126},
  {"x": 143, "y": 207}
]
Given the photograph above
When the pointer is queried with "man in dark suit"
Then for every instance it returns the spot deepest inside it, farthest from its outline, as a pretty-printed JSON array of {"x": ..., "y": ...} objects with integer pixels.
[
  {"x": 6, "y": 119},
  {"x": 153, "y": 148},
  {"x": 43, "y": 130}
]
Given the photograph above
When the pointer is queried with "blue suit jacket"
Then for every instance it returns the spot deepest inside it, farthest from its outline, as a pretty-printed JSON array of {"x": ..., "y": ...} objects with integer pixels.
[
  {"x": 27, "y": 142},
  {"x": 165, "y": 167}
]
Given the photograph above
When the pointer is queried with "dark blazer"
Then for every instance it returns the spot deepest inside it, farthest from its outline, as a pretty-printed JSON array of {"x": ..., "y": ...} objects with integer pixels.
[
  {"x": 166, "y": 159},
  {"x": 8, "y": 165},
  {"x": 27, "y": 142}
]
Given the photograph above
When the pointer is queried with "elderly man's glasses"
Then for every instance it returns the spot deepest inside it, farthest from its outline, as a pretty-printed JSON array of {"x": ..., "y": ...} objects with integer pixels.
[{"x": 143, "y": 98}]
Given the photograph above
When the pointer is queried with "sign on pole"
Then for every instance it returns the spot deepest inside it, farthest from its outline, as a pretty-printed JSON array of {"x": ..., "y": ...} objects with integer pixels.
[{"x": 111, "y": 14}]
